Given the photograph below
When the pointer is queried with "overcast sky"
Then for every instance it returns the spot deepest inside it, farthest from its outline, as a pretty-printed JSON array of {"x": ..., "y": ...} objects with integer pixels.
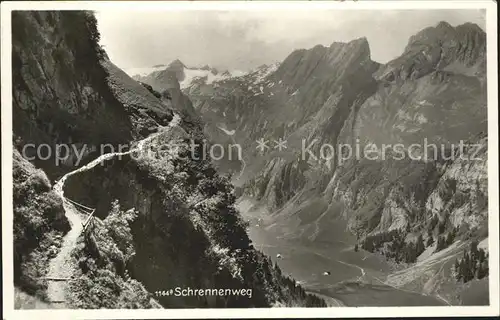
[{"x": 246, "y": 39}]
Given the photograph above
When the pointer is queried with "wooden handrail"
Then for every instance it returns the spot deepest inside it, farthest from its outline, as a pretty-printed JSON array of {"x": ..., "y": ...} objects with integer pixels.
[
  {"x": 78, "y": 204},
  {"x": 85, "y": 210},
  {"x": 87, "y": 221}
]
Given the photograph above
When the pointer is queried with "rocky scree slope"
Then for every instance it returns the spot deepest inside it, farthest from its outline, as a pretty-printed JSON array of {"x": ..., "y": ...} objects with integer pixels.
[{"x": 161, "y": 222}]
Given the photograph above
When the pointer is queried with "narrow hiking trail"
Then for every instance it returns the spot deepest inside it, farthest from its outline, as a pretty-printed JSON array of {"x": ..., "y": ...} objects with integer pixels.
[
  {"x": 60, "y": 267},
  {"x": 59, "y": 186}
]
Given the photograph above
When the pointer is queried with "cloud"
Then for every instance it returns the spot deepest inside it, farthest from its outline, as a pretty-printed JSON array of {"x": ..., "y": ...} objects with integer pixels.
[{"x": 246, "y": 39}]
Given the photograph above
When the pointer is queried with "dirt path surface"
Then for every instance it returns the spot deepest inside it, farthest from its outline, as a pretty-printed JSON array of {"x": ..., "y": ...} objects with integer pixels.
[
  {"x": 59, "y": 186},
  {"x": 60, "y": 266}
]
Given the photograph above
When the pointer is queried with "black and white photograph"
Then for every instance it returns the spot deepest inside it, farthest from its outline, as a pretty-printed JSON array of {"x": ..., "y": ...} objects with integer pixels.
[{"x": 249, "y": 159}]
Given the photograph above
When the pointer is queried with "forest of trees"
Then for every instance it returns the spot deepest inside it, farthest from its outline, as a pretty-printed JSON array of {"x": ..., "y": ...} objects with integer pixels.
[
  {"x": 472, "y": 265},
  {"x": 392, "y": 244},
  {"x": 444, "y": 242}
]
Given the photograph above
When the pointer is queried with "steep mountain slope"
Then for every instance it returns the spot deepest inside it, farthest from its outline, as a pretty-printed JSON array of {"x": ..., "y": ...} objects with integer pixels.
[
  {"x": 174, "y": 223},
  {"x": 433, "y": 95}
]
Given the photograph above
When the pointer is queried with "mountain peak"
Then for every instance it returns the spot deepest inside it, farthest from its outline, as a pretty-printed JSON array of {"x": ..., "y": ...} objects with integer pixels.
[
  {"x": 442, "y": 46},
  {"x": 443, "y": 32},
  {"x": 362, "y": 40},
  {"x": 471, "y": 27},
  {"x": 361, "y": 44},
  {"x": 177, "y": 64},
  {"x": 355, "y": 45},
  {"x": 444, "y": 25}
]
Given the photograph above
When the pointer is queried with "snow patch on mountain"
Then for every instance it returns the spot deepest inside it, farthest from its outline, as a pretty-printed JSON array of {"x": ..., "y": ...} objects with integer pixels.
[
  {"x": 263, "y": 71},
  {"x": 191, "y": 75},
  {"x": 132, "y": 72},
  {"x": 187, "y": 76}
]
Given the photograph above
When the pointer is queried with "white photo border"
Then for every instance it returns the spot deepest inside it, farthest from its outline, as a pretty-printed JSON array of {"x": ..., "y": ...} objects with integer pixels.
[{"x": 345, "y": 312}]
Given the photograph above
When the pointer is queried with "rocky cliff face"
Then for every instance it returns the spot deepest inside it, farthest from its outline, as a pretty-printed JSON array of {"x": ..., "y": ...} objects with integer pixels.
[
  {"x": 179, "y": 225},
  {"x": 382, "y": 196}
]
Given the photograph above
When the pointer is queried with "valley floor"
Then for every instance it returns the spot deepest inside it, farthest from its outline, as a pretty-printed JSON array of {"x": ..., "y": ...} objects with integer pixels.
[{"x": 354, "y": 279}]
